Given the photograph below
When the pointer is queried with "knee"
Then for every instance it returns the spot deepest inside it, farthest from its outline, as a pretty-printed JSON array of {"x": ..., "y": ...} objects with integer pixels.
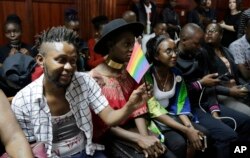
[
  {"x": 178, "y": 144},
  {"x": 227, "y": 136}
]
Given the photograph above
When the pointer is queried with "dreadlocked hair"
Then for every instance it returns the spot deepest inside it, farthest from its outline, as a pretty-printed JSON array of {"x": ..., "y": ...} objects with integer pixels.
[{"x": 58, "y": 34}]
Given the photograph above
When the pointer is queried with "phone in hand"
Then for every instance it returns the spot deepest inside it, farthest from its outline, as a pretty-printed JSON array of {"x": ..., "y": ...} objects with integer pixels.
[{"x": 204, "y": 143}]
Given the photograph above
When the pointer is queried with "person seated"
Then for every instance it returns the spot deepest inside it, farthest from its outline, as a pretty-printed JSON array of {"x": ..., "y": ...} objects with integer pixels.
[
  {"x": 202, "y": 14},
  {"x": 55, "y": 108},
  {"x": 71, "y": 21},
  {"x": 129, "y": 16},
  {"x": 193, "y": 61},
  {"x": 230, "y": 93},
  {"x": 160, "y": 28},
  {"x": 117, "y": 41},
  {"x": 240, "y": 51},
  {"x": 172, "y": 19},
  {"x": 95, "y": 58},
  {"x": 11, "y": 136},
  {"x": 13, "y": 33},
  {"x": 173, "y": 114}
]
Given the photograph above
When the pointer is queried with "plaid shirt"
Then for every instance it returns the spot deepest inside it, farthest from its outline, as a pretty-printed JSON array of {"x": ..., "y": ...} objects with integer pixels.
[{"x": 34, "y": 117}]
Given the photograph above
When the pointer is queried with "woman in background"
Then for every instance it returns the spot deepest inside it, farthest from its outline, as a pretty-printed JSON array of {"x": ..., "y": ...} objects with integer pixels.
[
  {"x": 230, "y": 93},
  {"x": 231, "y": 22},
  {"x": 13, "y": 33},
  {"x": 95, "y": 58}
]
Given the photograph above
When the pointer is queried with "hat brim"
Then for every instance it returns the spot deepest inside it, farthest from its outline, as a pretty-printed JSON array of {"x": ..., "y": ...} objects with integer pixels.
[{"x": 101, "y": 46}]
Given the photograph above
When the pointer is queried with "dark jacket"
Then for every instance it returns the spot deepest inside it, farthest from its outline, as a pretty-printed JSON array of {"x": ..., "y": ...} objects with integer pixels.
[
  {"x": 16, "y": 73},
  {"x": 5, "y": 51},
  {"x": 141, "y": 14},
  {"x": 193, "y": 69}
]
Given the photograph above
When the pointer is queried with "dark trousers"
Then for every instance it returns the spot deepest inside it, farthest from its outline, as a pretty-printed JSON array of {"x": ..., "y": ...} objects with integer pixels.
[
  {"x": 177, "y": 141},
  {"x": 222, "y": 131}
]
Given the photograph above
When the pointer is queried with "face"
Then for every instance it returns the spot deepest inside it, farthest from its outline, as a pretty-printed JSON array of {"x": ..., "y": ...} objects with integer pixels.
[
  {"x": 173, "y": 3},
  {"x": 232, "y": 4},
  {"x": 208, "y": 3},
  {"x": 13, "y": 33},
  {"x": 167, "y": 53},
  {"x": 98, "y": 32},
  {"x": 59, "y": 63},
  {"x": 73, "y": 25},
  {"x": 193, "y": 43},
  {"x": 212, "y": 35},
  {"x": 146, "y": 2},
  {"x": 160, "y": 29},
  {"x": 122, "y": 48}
]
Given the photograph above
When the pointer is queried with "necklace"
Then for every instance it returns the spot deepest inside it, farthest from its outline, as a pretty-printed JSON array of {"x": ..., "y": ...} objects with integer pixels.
[
  {"x": 164, "y": 83},
  {"x": 113, "y": 64}
]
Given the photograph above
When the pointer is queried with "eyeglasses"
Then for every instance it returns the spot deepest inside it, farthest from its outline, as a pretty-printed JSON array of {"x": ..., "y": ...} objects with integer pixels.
[
  {"x": 212, "y": 30},
  {"x": 171, "y": 52}
]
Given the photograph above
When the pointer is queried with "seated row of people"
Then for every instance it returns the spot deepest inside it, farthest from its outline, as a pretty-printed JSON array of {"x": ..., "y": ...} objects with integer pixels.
[
  {"x": 174, "y": 111},
  {"x": 184, "y": 105}
]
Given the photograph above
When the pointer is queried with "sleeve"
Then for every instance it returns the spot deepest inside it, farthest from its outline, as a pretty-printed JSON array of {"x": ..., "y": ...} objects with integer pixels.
[
  {"x": 19, "y": 108},
  {"x": 165, "y": 15},
  {"x": 222, "y": 90},
  {"x": 237, "y": 52},
  {"x": 243, "y": 20},
  {"x": 97, "y": 100},
  {"x": 207, "y": 98},
  {"x": 94, "y": 59},
  {"x": 155, "y": 109},
  {"x": 211, "y": 104}
]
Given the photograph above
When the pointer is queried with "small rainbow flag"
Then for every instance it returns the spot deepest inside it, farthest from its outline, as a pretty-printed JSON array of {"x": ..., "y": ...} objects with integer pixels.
[{"x": 138, "y": 64}]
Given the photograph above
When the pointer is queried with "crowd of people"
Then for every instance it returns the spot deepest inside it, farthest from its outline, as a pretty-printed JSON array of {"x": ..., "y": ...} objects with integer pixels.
[{"x": 69, "y": 97}]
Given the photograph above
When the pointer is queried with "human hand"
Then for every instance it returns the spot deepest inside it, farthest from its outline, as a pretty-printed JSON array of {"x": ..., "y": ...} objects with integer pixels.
[
  {"x": 140, "y": 96},
  {"x": 13, "y": 51},
  {"x": 238, "y": 91},
  {"x": 24, "y": 51},
  {"x": 195, "y": 138},
  {"x": 151, "y": 146},
  {"x": 210, "y": 80},
  {"x": 222, "y": 23}
]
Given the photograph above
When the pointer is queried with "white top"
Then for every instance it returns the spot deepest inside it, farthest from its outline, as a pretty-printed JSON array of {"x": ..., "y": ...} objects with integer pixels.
[
  {"x": 68, "y": 139},
  {"x": 163, "y": 97}
]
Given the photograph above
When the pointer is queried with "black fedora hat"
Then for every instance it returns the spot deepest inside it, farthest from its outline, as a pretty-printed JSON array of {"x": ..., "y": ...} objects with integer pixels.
[{"x": 112, "y": 28}]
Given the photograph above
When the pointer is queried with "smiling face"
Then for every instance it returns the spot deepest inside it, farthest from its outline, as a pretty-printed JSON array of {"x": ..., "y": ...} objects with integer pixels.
[
  {"x": 13, "y": 33},
  {"x": 122, "y": 46},
  {"x": 59, "y": 62},
  {"x": 167, "y": 53}
]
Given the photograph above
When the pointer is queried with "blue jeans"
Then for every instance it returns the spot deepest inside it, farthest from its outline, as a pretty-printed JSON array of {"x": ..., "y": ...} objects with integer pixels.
[{"x": 97, "y": 154}]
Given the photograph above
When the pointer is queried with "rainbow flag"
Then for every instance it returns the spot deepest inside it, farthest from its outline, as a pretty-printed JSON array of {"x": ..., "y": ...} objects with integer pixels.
[{"x": 138, "y": 64}]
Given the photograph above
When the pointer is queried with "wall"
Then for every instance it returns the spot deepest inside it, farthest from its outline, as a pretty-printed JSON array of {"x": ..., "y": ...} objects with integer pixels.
[{"x": 38, "y": 15}]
